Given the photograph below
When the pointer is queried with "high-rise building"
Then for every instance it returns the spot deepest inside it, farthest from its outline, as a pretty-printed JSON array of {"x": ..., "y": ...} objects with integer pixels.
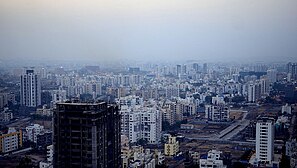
[
  {"x": 178, "y": 70},
  {"x": 30, "y": 89},
  {"x": 272, "y": 74},
  {"x": 196, "y": 67},
  {"x": 254, "y": 92},
  {"x": 292, "y": 70},
  {"x": 141, "y": 123},
  {"x": 265, "y": 140},
  {"x": 184, "y": 69},
  {"x": 205, "y": 68},
  {"x": 86, "y": 135}
]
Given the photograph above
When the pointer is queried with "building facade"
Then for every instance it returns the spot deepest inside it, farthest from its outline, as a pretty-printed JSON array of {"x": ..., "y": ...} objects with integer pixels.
[
  {"x": 30, "y": 89},
  {"x": 265, "y": 140},
  {"x": 171, "y": 148},
  {"x": 141, "y": 123},
  {"x": 86, "y": 135},
  {"x": 10, "y": 141},
  {"x": 213, "y": 159}
]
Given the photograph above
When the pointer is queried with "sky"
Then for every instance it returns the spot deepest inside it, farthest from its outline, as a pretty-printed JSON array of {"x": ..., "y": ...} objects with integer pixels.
[{"x": 148, "y": 30}]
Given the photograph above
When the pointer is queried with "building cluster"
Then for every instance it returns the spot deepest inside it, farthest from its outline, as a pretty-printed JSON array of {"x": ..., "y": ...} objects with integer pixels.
[
  {"x": 137, "y": 104},
  {"x": 212, "y": 159},
  {"x": 136, "y": 156}
]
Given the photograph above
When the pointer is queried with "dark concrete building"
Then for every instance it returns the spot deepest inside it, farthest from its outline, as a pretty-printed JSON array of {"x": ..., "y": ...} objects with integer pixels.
[
  {"x": 87, "y": 135},
  {"x": 44, "y": 139}
]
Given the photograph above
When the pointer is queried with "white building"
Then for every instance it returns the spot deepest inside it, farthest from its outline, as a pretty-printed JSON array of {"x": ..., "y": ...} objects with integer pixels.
[
  {"x": 287, "y": 108},
  {"x": 33, "y": 131},
  {"x": 217, "y": 100},
  {"x": 49, "y": 161},
  {"x": 213, "y": 159},
  {"x": 94, "y": 89},
  {"x": 254, "y": 92},
  {"x": 265, "y": 88},
  {"x": 130, "y": 101},
  {"x": 58, "y": 96},
  {"x": 141, "y": 123},
  {"x": 142, "y": 158},
  {"x": 217, "y": 112},
  {"x": 30, "y": 89},
  {"x": 265, "y": 140},
  {"x": 272, "y": 74}
]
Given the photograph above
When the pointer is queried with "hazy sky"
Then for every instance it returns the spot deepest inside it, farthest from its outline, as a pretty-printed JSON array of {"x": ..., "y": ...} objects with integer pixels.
[{"x": 208, "y": 30}]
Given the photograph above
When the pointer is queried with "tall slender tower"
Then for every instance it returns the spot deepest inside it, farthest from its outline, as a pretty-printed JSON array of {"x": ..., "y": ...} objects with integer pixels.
[
  {"x": 265, "y": 139},
  {"x": 86, "y": 135},
  {"x": 30, "y": 89}
]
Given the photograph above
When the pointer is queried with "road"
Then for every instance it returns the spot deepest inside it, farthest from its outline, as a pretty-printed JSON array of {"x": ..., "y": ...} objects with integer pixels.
[
  {"x": 234, "y": 129},
  {"x": 226, "y": 134},
  {"x": 20, "y": 123}
]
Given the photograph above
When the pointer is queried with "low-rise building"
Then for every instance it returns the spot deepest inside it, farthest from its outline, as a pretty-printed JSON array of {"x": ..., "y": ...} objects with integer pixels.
[
  {"x": 212, "y": 159},
  {"x": 49, "y": 161},
  {"x": 44, "y": 111},
  {"x": 6, "y": 115},
  {"x": 171, "y": 148},
  {"x": 10, "y": 141},
  {"x": 287, "y": 109},
  {"x": 33, "y": 131},
  {"x": 217, "y": 113}
]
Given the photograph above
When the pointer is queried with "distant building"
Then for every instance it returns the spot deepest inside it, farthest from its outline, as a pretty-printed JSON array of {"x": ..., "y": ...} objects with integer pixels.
[
  {"x": 171, "y": 148},
  {"x": 287, "y": 109},
  {"x": 33, "y": 131},
  {"x": 30, "y": 95},
  {"x": 86, "y": 135},
  {"x": 178, "y": 70},
  {"x": 141, "y": 123},
  {"x": 265, "y": 140},
  {"x": 44, "y": 139},
  {"x": 10, "y": 141},
  {"x": 213, "y": 159},
  {"x": 217, "y": 113},
  {"x": 272, "y": 74},
  {"x": 3, "y": 100},
  {"x": 141, "y": 158},
  {"x": 134, "y": 69},
  {"x": 291, "y": 151},
  {"x": 195, "y": 156},
  {"x": 292, "y": 70},
  {"x": 205, "y": 69},
  {"x": 6, "y": 115},
  {"x": 254, "y": 92},
  {"x": 58, "y": 96},
  {"x": 44, "y": 111}
]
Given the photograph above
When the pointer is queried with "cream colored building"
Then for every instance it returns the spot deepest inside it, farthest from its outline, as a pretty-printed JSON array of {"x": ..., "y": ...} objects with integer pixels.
[{"x": 171, "y": 148}]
